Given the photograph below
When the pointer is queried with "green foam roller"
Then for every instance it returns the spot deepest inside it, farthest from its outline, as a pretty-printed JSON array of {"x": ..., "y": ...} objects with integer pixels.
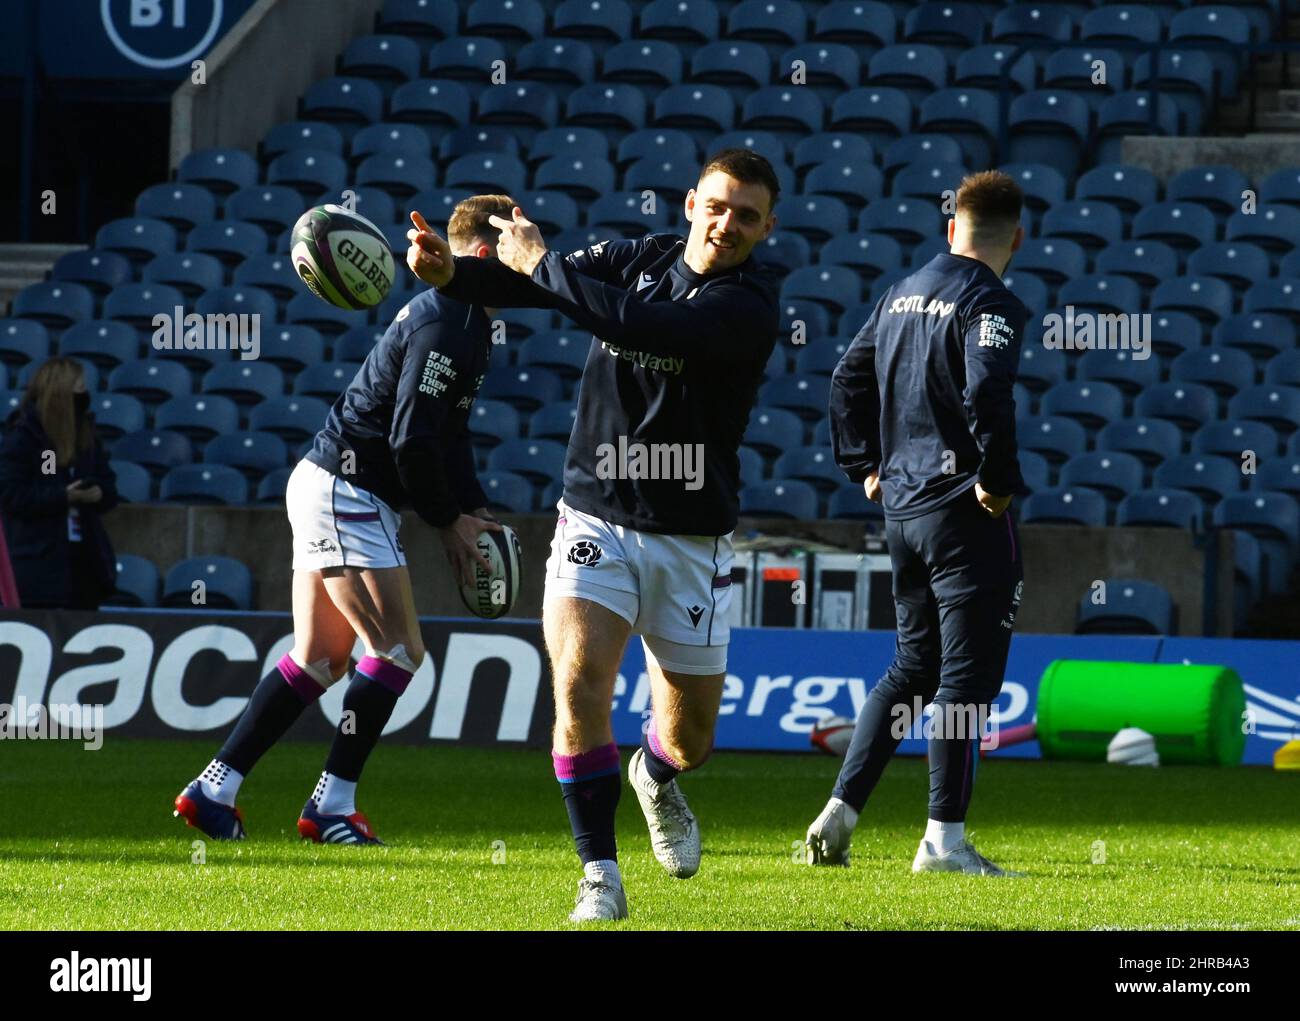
[{"x": 1196, "y": 713}]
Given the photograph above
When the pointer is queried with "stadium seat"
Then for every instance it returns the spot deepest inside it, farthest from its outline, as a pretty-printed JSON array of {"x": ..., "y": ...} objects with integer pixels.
[
  {"x": 1278, "y": 296},
  {"x": 1279, "y": 476},
  {"x": 397, "y": 173},
  {"x": 154, "y": 450},
  {"x": 1031, "y": 23},
  {"x": 203, "y": 484},
  {"x": 199, "y": 417},
  {"x": 1239, "y": 263},
  {"x": 1184, "y": 225},
  {"x": 1172, "y": 333},
  {"x": 1232, "y": 437},
  {"x": 856, "y": 22},
  {"x": 733, "y": 63},
  {"x": 1053, "y": 260},
  {"x": 507, "y": 492},
  {"x": 1092, "y": 224},
  {"x": 1049, "y": 127},
  {"x": 538, "y": 460},
  {"x": 273, "y": 274},
  {"x": 531, "y": 104},
  {"x": 1063, "y": 506},
  {"x": 944, "y": 24},
  {"x": 151, "y": 380},
  {"x": 387, "y": 60},
  {"x": 227, "y": 584},
  {"x": 55, "y": 303},
  {"x": 1159, "y": 508},
  {"x": 290, "y": 135},
  {"x": 293, "y": 419},
  {"x": 134, "y": 484},
  {"x": 244, "y": 382},
  {"x": 418, "y": 18},
  {"x": 1187, "y": 405},
  {"x": 772, "y": 431},
  {"x": 1209, "y": 476},
  {"x": 1076, "y": 70},
  {"x": 1276, "y": 406},
  {"x": 605, "y": 21},
  {"x": 1219, "y": 188},
  {"x": 1035, "y": 470},
  {"x": 626, "y": 211},
  {"x": 491, "y": 421},
  {"x": 806, "y": 396},
  {"x": 785, "y": 250},
  {"x": 104, "y": 343},
  {"x": 925, "y": 179},
  {"x": 99, "y": 271},
  {"x": 1042, "y": 185},
  {"x": 1284, "y": 369},
  {"x": 788, "y": 108},
  {"x": 552, "y": 422},
  {"x": 433, "y": 101},
  {"x": 136, "y": 583},
  {"x": 813, "y": 465},
  {"x": 766, "y": 143},
  {"x": 553, "y": 211},
  {"x": 1259, "y": 334},
  {"x": 238, "y": 300},
  {"x": 982, "y": 67},
  {"x": 1224, "y": 370},
  {"x": 616, "y": 105},
  {"x": 229, "y": 241},
  {"x": 811, "y": 319},
  {"x": 478, "y": 138},
  {"x": 308, "y": 310},
  {"x": 1113, "y": 474},
  {"x": 1128, "y": 188},
  {"x": 219, "y": 170},
  {"x": 1056, "y": 439},
  {"x": 525, "y": 388},
  {"x": 182, "y": 205},
  {"x": 1274, "y": 520},
  {"x": 816, "y": 217},
  {"x": 1185, "y": 80},
  {"x": 908, "y": 220},
  {"x": 688, "y": 21},
  {"x": 508, "y": 19},
  {"x": 271, "y": 489},
  {"x": 969, "y": 115},
  {"x": 1273, "y": 228},
  {"x": 489, "y": 172},
  {"x": 253, "y": 453},
  {"x": 1121, "y": 22},
  {"x": 835, "y": 287},
  {"x": 191, "y": 273},
  {"x": 868, "y": 255},
  {"x": 1280, "y": 187},
  {"x": 115, "y": 414},
  {"x": 1093, "y": 404},
  {"x": 828, "y": 68},
  {"x": 561, "y": 351},
  {"x": 347, "y": 102},
  {"x": 655, "y": 143},
  {"x": 1128, "y": 608},
  {"x": 581, "y": 178},
  {"x": 913, "y": 67},
  {"x": 1101, "y": 292},
  {"x": 1131, "y": 113},
  {"x": 878, "y": 113},
  {"x": 779, "y": 499},
  {"x": 325, "y": 381}
]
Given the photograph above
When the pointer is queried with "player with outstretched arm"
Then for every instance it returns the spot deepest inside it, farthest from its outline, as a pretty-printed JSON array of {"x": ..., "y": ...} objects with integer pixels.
[
  {"x": 922, "y": 413},
  {"x": 683, "y": 329},
  {"x": 398, "y": 435}
]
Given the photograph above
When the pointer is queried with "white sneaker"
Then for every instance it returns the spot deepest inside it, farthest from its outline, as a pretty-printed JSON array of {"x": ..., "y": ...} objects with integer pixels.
[
  {"x": 599, "y": 901},
  {"x": 674, "y": 833},
  {"x": 963, "y": 858},
  {"x": 828, "y": 839}
]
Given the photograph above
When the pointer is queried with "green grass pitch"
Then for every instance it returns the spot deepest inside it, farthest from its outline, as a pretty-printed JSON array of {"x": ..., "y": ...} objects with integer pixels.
[{"x": 88, "y": 842}]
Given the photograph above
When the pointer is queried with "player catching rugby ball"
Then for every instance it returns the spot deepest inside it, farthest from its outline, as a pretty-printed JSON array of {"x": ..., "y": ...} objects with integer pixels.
[
  {"x": 683, "y": 329},
  {"x": 398, "y": 435}
]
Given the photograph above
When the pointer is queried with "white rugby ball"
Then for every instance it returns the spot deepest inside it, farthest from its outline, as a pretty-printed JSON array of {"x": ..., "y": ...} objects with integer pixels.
[
  {"x": 1133, "y": 746},
  {"x": 493, "y": 593},
  {"x": 342, "y": 257},
  {"x": 832, "y": 735}
]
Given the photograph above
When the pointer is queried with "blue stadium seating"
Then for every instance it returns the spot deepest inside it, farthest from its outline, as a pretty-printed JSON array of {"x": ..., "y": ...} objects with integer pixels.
[
  {"x": 134, "y": 483},
  {"x": 219, "y": 170},
  {"x": 227, "y": 584},
  {"x": 1160, "y": 508},
  {"x": 1208, "y": 476},
  {"x": 203, "y": 484},
  {"x": 103, "y": 343},
  {"x": 1064, "y": 506},
  {"x": 116, "y": 414},
  {"x": 153, "y": 449},
  {"x": 99, "y": 271},
  {"x": 300, "y": 135},
  {"x": 1130, "y": 608},
  {"x": 779, "y": 498},
  {"x": 137, "y": 582}
]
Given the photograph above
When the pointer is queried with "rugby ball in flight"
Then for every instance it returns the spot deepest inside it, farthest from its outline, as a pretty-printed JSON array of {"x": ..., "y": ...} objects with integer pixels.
[
  {"x": 342, "y": 257},
  {"x": 493, "y": 593},
  {"x": 832, "y": 735}
]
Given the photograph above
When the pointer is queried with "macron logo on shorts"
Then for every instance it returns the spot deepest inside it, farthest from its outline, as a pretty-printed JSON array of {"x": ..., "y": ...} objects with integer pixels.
[{"x": 695, "y": 613}]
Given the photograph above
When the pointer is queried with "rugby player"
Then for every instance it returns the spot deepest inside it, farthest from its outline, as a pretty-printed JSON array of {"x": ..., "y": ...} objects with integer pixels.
[
  {"x": 922, "y": 414},
  {"x": 683, "y": 329},
  {"x": 397, "y": 436}
]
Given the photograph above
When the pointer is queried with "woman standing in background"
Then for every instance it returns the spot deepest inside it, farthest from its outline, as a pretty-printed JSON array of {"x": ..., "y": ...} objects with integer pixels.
[{"x": 55, "y": 484}]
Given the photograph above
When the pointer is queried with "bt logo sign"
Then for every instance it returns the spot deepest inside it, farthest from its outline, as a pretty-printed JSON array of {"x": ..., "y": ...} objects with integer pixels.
[{"x": 173, "y": 32}]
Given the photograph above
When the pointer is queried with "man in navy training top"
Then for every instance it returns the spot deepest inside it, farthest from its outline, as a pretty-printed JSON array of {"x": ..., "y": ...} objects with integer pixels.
[
  {"x": 683, "y": 329},
  {"x": 397, "y": 436},
  {"x": 922, "y": 413}
]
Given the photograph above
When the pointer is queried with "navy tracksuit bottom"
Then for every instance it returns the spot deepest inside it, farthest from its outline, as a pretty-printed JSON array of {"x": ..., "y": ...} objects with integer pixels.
[{"x": 957, "y": 581}]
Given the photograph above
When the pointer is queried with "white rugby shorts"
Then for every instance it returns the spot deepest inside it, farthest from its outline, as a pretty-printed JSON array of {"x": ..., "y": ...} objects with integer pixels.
[
  {"x": 337, "y": 524},
  {"x": 675, "y": 590}
]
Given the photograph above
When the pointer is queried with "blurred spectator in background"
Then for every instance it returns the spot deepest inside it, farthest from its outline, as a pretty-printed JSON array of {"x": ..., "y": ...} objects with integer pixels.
[{"x": 55, "y": 484}]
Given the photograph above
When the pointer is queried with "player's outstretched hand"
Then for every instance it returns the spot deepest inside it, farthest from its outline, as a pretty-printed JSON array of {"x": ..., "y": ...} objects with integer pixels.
[
  {"x": 871, "y": 486},
  {"x": 995, "y": 505},
  {"x": 429, "y": 256},
  {"x": 460, "y": 540},
  {"x": 520, "y": 246}
]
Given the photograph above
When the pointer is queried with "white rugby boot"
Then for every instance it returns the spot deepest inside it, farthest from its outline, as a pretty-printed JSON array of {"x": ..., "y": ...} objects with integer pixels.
[
  {"x": 599, "y": 900},
  {"x": 674, "y": 833},
  {"x": 963, "y": 858}
]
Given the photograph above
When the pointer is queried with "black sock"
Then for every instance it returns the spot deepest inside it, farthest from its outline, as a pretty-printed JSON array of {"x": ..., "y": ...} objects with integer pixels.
[
  {"x": 370, "y": 699},
  {"x": 591, "y": 783},
  {"x": 658, "y": 763},
  {"x": 278, "y": 700}
]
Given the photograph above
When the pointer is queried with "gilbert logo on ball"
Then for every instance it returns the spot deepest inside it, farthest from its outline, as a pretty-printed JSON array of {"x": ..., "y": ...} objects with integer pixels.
[
  {"x": 342, "y": 257},
  {"x": 1133, "y": 746},
  {"x": 493, "y": 593}
]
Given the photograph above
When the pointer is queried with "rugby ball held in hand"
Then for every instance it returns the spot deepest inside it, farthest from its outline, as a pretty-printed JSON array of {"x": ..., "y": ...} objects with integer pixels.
[
  {"x": 342, "y": 257},
  {"x": 832, "y": 735},
  {"x": 493, "y": 592}
]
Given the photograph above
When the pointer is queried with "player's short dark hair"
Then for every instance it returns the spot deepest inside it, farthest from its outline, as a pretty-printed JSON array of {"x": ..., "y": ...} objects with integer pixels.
[
  {"x": 991, "y": 201},
  {"x": 747, "y": 167},
  {"x": 469, "y": 220}
]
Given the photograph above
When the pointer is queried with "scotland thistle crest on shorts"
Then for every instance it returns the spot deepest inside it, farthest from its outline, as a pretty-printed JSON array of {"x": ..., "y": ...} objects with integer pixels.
[{"x": 584, "y": 553}]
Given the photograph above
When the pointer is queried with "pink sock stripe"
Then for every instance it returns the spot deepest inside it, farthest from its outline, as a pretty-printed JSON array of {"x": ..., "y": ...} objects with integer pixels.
[
  {"x": 307, "y": 687},
  {"x": 390, "y": 675},
  {"x": 569, "y": 768},
  {"x": 658, "y": 749}
]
